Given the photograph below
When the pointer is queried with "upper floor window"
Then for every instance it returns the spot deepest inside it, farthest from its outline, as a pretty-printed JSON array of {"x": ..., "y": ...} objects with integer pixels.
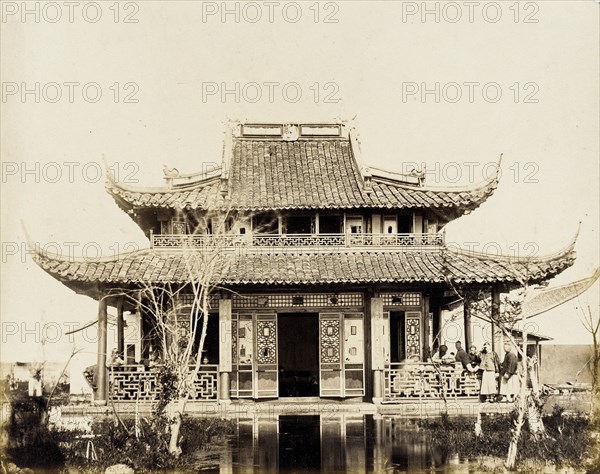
[
  {"x": 330, "y": 224},
  {"x": 299, "y": 225},
  {"x": 390, "y": 225},
  {"x": 265, "y": 223},
  {"x": 354, "y": 225}
]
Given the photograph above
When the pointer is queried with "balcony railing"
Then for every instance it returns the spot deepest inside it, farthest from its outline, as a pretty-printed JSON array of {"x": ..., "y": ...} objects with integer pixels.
[
  {"x": 294, "y": 241},
  {"x": 407, "y": 380},
  {"x": 130, "y": 383}
]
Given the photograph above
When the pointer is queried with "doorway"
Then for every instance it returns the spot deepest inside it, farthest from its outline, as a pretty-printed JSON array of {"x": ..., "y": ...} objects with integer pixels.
[
  {"x": 397, "y": 336},
  {"x": 298, "y": 354}
]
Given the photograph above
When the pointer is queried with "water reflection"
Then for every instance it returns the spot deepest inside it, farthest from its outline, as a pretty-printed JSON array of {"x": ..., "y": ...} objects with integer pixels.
[{"x": 332, "y": 444}]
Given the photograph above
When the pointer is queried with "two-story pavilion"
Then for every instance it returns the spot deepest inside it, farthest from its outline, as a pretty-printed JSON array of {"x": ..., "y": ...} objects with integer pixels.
[{"x": 342, "y": 278}]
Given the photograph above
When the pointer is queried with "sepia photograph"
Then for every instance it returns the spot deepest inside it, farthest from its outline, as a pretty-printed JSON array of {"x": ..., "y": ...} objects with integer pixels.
[{"x": 300, "y": 237}]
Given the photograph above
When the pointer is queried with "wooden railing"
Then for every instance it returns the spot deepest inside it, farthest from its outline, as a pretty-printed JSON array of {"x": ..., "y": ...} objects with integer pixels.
[
  {"x": 130, "y": 383},
  {"x": 315, "y": 241},
  {"x": 428, "y": 380}
]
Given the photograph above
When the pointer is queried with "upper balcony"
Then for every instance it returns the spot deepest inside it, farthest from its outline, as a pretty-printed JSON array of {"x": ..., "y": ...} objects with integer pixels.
[{"x": 306, "y": 242}]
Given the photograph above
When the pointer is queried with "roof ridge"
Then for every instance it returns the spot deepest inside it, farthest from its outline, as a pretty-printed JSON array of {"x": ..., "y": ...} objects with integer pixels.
[{"x": 490, "y": 182}]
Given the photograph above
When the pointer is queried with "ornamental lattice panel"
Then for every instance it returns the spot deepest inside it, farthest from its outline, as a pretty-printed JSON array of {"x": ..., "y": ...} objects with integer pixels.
[
  {"x": 401, "y": 299},
  {"x": 205, "y": 387},
  {"x": 266, "y": 342},
  {"x": 132, "y": 386},
  {"x": 330, "y": 341},
  {"x": 234, "y": 344},
  {"x": 413, "y": 337},
  {"x": 304, "y": 300}
]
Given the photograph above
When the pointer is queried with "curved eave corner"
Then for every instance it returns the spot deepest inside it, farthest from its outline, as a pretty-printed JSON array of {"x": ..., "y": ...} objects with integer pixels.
[
  {"x": 57, "y": 267},
  {"x": 522, "y": 270},
  {"x": 475, "y": 195}
]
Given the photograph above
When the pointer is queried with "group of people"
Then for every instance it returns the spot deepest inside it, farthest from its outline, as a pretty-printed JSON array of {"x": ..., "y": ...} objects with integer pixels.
[{"x": 499, "y": 380}]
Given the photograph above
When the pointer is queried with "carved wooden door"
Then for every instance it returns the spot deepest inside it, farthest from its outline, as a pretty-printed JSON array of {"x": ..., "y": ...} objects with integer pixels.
[
  {"x": 267, "y": 372},
  {"x": 330, "y": 355},
  {"x": 353, "y": 346}
]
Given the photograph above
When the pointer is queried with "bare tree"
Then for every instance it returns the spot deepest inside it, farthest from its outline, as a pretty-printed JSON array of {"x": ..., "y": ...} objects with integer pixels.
[
  {"x": 181, "y": 323},
  {"x": 591, "y": 322},
  {"x": 510, "y": 313}
]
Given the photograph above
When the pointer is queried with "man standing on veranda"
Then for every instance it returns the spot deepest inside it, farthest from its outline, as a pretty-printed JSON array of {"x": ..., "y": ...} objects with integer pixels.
[
  {"x": 509, "y": 380},
  {"x": 461, "y": 355}
]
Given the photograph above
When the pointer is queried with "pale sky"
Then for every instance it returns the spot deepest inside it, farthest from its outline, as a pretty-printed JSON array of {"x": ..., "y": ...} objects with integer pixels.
[{"x": 162, "y": 80}]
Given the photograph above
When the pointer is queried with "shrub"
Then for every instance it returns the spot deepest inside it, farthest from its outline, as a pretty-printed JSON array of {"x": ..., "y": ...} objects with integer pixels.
[
  {"x": 569, "y": 441},
  {"x": 148, "y": 451}
]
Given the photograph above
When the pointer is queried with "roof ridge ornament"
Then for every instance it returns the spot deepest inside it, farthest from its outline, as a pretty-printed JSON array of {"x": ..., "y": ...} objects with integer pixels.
[
  {"x": 170, "y": 175},
  {"x": 227, "y": 156},
  {"x": 290, "y": 132}
]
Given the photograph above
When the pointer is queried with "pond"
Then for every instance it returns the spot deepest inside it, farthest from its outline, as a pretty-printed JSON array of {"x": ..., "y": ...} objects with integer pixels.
[{"x": 330, "y": 444}]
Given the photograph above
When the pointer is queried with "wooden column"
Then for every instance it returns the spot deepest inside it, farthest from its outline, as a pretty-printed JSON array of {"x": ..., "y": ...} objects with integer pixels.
[
  {"x": 101, "y": 384},
  {"x": 120, "y": 329},
  {"x": 467, "y": 320},
  {"x": 495, "y": 314},
  {"x": 377, "y": 347},
  {"x": 426, "y": 350},
  {"x": 224, "y": 346},
  {"x": 437, "y": 325}
]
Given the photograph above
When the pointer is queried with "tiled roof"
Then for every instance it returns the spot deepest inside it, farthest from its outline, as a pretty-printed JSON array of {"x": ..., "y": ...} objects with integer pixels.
[
  {"x": 318, "y": 173},
  {"x": 411, "y": 266}
]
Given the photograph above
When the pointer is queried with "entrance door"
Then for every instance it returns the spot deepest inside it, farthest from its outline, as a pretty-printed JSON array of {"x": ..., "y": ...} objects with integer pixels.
[
  {"x": 330, "y": 354},
  {"x": 354, "y": 355},
  {"x": 405, "y": 335},
  {"x": 341, "y": 354},
  {"x": 397, "y": 336},
  {"x": 298, "y": 357},
  {"x": 266, "y": 356}
]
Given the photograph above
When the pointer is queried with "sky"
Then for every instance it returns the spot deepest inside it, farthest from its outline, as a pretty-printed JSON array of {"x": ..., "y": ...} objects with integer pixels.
[{"x": 448, "y": 85}]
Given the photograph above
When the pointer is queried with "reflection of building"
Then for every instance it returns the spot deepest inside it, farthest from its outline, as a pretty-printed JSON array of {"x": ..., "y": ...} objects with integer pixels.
[{"x": 339, "y": 273}]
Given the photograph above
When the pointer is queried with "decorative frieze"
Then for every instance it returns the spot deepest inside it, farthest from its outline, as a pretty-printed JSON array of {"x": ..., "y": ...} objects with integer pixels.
[
  {"x": 305, "y": 300},
  {"x": 401, "y": 299}
]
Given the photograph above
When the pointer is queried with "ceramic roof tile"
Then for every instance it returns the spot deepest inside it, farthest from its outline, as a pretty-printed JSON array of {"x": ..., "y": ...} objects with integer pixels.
[
  {"x": 317, "y": 268},
  {"x": 305, "y": 174}
]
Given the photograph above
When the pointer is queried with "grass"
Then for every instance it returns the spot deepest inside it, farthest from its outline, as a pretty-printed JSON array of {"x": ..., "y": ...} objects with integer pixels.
[
  {"x": 32, "y": 445},
  {"x": 570, "y": 441}
]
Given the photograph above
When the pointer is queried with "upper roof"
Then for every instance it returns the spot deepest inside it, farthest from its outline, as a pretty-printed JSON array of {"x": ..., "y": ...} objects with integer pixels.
[{"x": 278, "y": 167}]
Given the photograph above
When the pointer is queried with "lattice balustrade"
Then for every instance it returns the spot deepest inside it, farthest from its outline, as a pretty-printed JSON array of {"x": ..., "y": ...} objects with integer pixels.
[
  {"x": 129, "y": 384},
  {"x": 198, "y": 240},
  {"x": 425, "y": 380},
  {"x": 299, "y": 240},
  {"x": 292, "y": 241},
  {"x": 206, "y": 385}
]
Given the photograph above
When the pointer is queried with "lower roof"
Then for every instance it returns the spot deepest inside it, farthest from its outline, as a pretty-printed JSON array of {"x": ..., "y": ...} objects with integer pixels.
[{"x": 408, "y": 266}]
